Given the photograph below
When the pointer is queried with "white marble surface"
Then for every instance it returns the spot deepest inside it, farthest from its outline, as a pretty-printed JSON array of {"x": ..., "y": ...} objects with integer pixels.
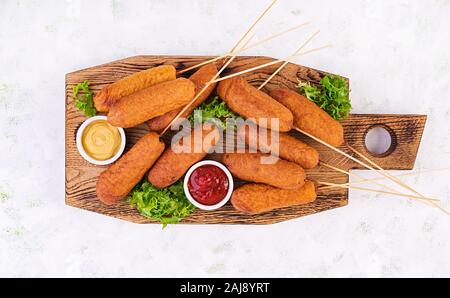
[{"x": 397, "y": 54}]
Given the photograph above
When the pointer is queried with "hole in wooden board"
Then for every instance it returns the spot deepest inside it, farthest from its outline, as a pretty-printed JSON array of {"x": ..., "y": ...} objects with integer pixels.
[{"x": 380, "y": 140}]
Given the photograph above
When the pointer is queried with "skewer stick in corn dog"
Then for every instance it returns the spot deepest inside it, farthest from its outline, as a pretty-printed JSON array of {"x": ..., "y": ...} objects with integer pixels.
[
  {"x": 420, "y": 199},
  {"x": 392, "y": 191},
  {"x": 361, "y": 181},
  {"x": 253, "y": 45},
  {"x": 203, "y": 90},
  {"x": 288, "y": 60},
  {"x": 269, "y": 64},
  {"x": 395, "y": 179}
]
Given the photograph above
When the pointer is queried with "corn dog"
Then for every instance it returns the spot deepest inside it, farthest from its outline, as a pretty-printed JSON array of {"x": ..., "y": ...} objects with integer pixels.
[
  {"x": 119, "y": 179},
  {"x": 112, "y": 93},
  {"x": 249, "y": 102},
  {"x": 310, "y": 117},
  {"x": 259, "y": 198},
  {"x": 289, "y": 147},
  {"x": 281, "y": 174},
  {"x": 154, "y": 101}
]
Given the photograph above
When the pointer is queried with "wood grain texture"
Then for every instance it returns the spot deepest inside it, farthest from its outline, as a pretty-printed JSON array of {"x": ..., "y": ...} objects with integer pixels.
[{"x": 81, "y": 176}]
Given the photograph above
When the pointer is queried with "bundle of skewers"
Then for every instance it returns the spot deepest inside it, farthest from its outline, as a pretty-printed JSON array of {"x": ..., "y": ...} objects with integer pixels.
[{"x": 161, "y": 97}]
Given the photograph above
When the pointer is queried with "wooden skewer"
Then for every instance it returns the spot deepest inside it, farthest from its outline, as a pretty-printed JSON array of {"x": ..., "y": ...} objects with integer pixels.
[
  {"x": 268, "y": 64},
  {"x": 253, "y": 25},
  {"x": 334, "y": 148},
  {"x": 395, "y": 179},
  {"x": 288, "y": 59},
  {"x": 224, "y": 66},
  {"x": 203, "y": 89},
  {"x": 314, "y": 50},
  {"x": 379, "y": 184},
  {"x": 376, "y": 190},
  {"x": 384, "y": 178},
  {"x": 254, "y": 45},
  {"x": 250, "y": 29},
  {"x": 384, "y": 173},
  {"x": 352, "y": 174},
  {"x": 341, "y": 152}
]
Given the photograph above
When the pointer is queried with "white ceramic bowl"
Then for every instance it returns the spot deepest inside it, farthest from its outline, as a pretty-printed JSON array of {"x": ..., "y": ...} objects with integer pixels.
[
  {"x": 230, "y": 185},
  {"x": 83, "y": 152}
]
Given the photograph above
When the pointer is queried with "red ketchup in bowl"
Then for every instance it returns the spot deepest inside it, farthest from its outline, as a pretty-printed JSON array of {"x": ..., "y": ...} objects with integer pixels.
[{"x": 208, "y": 184}]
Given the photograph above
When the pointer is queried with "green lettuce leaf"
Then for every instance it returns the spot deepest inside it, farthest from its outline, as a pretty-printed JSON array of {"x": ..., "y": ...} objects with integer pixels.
[
  {"x": 332, "y": 96},
  {"x": 215, "y": 110},
  {"x": 84, "y": 99},
  {"x": 168, "y": 205}
]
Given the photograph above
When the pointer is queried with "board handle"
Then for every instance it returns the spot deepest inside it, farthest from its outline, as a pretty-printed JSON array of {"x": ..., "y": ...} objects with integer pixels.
[{"x": 405, "y": 131}]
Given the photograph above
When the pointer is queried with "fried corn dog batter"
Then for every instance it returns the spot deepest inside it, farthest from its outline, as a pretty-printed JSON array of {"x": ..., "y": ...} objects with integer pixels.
[
  {"x": 118, "y": 180},
  {"x": 248, "y": 166},
  {"x": 310, "y": 117},
  {"x": 149, "y": 103},
  {"x": 289, "y": 148},
  {"x": 249, "y": 102},
  {"x": 172, "y": 166},
  {"x": 112, "y": 93},
  {"x": 200, "y": 78},
  {"x": 258, "y": 198}
]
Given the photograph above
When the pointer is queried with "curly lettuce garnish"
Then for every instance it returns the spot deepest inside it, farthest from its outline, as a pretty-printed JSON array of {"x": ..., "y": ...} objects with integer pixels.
[
  {"x": 216, "y": 111},
  {"x": 332, "y": 96},
  {"x": 168, "y": 205},
  {"x": 84, "y": 100}
]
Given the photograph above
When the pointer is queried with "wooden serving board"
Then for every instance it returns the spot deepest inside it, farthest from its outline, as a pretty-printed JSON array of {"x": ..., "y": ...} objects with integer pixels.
[{"x": 81, "y": 176}]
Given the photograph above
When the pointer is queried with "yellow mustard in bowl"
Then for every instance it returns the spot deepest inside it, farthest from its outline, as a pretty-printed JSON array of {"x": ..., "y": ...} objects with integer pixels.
[{"x": 101, "y": 140}]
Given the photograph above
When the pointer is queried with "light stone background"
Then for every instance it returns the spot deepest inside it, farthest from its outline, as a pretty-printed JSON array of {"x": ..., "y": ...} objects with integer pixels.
[{"x": 395, "y": 52}]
